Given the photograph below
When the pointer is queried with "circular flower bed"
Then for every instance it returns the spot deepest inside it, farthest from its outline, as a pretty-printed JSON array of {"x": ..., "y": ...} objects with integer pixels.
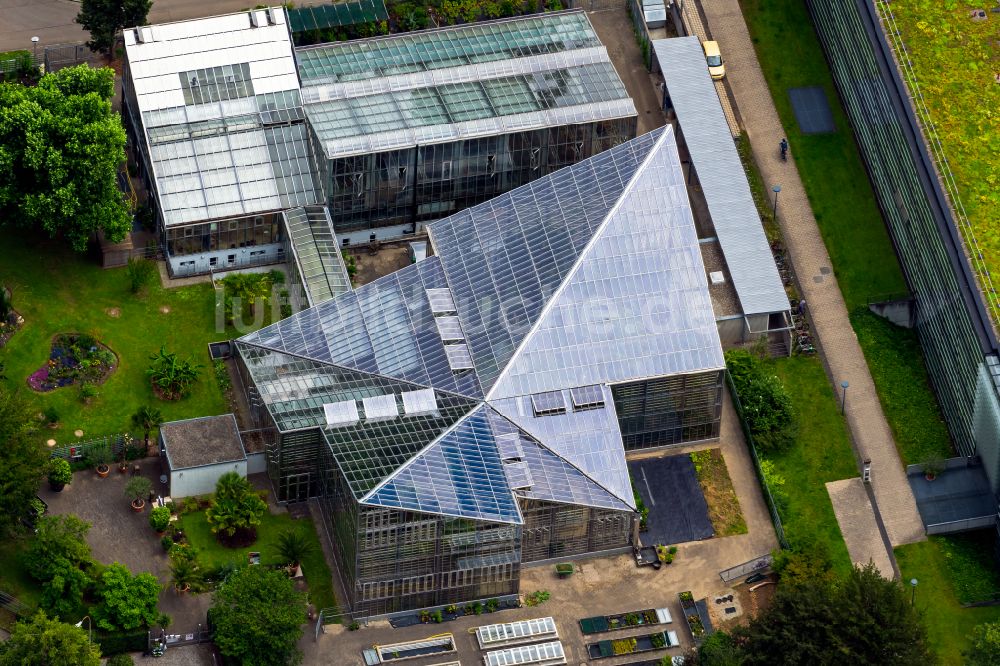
[{"x": 76, "y": 358}]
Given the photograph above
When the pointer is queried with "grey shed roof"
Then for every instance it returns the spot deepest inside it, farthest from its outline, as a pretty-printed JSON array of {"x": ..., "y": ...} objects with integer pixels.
[
  {"x": 730, "y": 203},
  {"x": 209, "y": 440}
]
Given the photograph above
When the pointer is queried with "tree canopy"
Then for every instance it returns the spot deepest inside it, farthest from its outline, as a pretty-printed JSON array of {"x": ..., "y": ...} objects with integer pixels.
[
  {"x": 60, "y": 148},
  {"x": 104, "y": 18},
  {"x": 235, "y": 507},
  {"x": 127, "y": 601},
  {"x": 985, "y": 650},
  {"x": 819, "y": 618},
  {"x": 42, "y": 640},
  {"x": 22, "y": 460},
  {"x": 258, "y": 618},
  {"x": 59, "y": 556}
]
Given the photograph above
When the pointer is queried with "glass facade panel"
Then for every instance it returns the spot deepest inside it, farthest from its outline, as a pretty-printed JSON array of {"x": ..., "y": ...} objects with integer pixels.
[{"x": 670, "y": 410}]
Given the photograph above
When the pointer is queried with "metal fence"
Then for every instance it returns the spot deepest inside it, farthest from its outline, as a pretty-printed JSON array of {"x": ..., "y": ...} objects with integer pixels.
[
  {"x": 81, "y": 450},
  {"x": 772, "y": 508},
  {"x": 756, "y": 565},
  {"x": 58, "y": 56},
  {"x": 11, "y": 604},
  {"x": 14, "y": 64}
]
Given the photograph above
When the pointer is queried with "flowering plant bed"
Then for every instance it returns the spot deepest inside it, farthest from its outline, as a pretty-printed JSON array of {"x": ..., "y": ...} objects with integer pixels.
[
  {"x": 603, "y": 623},
  {"x": 646, "y": 643},
  {"x": 9, "y": 326},
  {"x": 75, "y": 358}
]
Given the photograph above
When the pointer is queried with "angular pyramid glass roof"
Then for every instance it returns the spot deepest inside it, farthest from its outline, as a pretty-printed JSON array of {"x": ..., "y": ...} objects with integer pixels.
[
  {"x": 551, "y": 293},
  {"x": 460, "y": 474}
]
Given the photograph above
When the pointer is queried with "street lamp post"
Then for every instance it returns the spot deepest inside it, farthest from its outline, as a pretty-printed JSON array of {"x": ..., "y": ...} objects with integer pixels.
[
  {"x": 90, "y": 627},
  {"x": 843, "y": 397},
  {"x": 34, "y": 47},
  {"x": 774, "y": 212},
  {"x": 913, "y": 590}
]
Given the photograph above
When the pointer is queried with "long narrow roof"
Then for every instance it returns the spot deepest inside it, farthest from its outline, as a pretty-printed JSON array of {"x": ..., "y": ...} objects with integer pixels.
[
  {"x": 483, "y": 372},
  {"x": 720, "y": 172}
]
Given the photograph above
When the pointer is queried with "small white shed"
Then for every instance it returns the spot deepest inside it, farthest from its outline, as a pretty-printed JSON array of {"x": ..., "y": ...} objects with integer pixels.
[{"x": 196, "y": 452}]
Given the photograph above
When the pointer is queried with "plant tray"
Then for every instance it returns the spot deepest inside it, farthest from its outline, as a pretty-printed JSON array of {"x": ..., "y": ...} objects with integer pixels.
[{"x": 604, "y": 623}]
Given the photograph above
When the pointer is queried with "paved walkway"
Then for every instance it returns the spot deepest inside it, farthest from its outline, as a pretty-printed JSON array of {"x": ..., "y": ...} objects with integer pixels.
[
  {"x": 845, "y": 361},
  {"x": 857, "y": 522}
]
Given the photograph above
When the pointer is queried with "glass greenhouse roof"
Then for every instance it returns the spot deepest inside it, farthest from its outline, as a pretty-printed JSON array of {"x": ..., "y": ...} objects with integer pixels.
[
  {"x": 317, "y": 253},
  {"x": 447, "y": 47},
  {"x": 534, "y": 303},
  {"x": 336, "y": 14}
]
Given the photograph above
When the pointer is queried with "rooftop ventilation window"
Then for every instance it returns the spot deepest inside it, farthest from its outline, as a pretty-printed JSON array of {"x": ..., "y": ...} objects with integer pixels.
[
  {"x": 509, "y": 445},
  {"x": 449, "y": 328},
  {"x": 548, "y": 403},
  {"x": 518, "y": 476},
  {"x": 587, "y": 397},
  {"x": 459, "y": 357},
  {"x": 342, "y": 413},
  {"x": 441, "y": 301},
  {"x": 380, "y": 407},
  {"x": 419, "y": 402}
]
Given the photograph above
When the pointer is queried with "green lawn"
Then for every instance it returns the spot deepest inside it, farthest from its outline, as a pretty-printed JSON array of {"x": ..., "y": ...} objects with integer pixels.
[
  {"x": 821, "y": 453},
  {"x": 58, "y": 291},
  {"x": 944, "y": 569},
  {"x": 897, "y": 366},
  {"x": 212, "y": 554}
]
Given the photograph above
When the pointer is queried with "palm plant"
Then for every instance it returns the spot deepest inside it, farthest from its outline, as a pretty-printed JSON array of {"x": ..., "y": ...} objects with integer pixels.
[
  {"x": 184, "y": 573},
  {"x": 293, "y": 545},
  {"x": 235, "y": 507},
  {"x": 172, "y": 376},
  {"x": 145, "y": 419}
]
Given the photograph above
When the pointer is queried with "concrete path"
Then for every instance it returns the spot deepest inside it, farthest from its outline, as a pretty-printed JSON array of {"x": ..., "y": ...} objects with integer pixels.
[
  {"x": 857, "y": 524},
  {"x": 845, "y": 361}
]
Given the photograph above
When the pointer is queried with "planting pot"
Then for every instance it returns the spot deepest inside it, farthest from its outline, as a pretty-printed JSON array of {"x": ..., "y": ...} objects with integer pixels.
[
  {"x": 122, "y": 468},
  {"x": 930, "y": 477},
  {"x": 103, "y": 471},
  {"x": 138, "y": 505},
  {"x": 56, "y": 487},
  {"x": 183, "y": 589}
]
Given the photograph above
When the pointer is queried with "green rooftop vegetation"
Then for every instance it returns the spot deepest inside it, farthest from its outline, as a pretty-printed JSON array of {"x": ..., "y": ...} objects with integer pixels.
[{"x": 953, "y": 50}]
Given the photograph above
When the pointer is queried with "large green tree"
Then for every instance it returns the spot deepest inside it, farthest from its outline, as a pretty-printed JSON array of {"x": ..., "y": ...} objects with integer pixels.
[
  {"x": 60, "y": 148},
  {"x": 127, "y": 601},
  {"x": 22, "y": 460},
  {"x": 59, "y": 557},
  {"x": 819, "y": 618},
  {"x": 985, "y": 650},
  {"x": 42, "y": 641},
  {"x": 258, "y": 618},
  {"x": 103, "y": 19}
]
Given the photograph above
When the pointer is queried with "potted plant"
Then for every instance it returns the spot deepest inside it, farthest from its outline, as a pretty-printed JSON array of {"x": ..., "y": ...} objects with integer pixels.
[
  {"x": 60, "y": 474},
  {"x": 99, "y": 456},
  {"x": 425, "y": 616},
  {"x": 137, "y": 488},
  {"x": 159, "y": 518},
  {"x": 932, "y": 467},
  {"x": 184, "y": 574}
]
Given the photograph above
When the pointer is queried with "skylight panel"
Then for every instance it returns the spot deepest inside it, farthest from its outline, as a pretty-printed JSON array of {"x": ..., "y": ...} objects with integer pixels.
[
  {"x": 441, "y": 300},
  {"x": 548, "y": 403},
  {"x": 342, "y": 413},
  {"x": 587, "y": 397},
  {"x": 380, "y": 407},
  {"x": 518, "y": 475},
  {"x": 459, "y": 357},
  {"x": 449, "y": 328},
  {"x": 509, "y": 445},
  {"x": 419, "y": 402}
]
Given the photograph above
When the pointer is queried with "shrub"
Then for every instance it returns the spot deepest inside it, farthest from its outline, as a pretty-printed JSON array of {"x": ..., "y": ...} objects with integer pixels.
[
  {"x": 159, "y": 518},
  {"x": 121, "y": 660},
  {"x": 235, "y": 507},
  {"x": 767, "y": 407},
  {"x": 166, "y": 542},
  {"x": 536, "y": 598},
  {"x": 353, "y": 626},
  {"x": 222, "y": 375},
  {"x": 141, "y": 273},
  {"x": 51, "y": 415},
  {"x": 172, "y": 376},
  {"x": 127, "y": 602},
  {"x": 60, "y": 472},
  {"x": 493, "y": 605},
  {"x": 88, "y": 392}
]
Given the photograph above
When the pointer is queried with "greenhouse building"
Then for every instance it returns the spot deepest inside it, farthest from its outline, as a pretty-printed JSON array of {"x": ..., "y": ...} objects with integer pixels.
[{"x": 472, "y": 411}]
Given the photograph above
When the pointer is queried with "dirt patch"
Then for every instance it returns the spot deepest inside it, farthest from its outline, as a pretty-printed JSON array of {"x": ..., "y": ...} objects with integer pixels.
[
  {"x": 388, "y": 259},
  {"x": 723, "y": 505},
  {"x": 114, "y": 313}
]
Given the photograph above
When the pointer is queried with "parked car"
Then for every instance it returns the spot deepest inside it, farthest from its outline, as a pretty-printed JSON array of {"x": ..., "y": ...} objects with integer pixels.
[{"x": 713, "y": 56}]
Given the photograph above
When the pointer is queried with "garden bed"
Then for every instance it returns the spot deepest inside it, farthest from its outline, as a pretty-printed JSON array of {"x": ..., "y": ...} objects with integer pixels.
[
  {"x": 75, "y": 358},
  {"x": 696, "y": 616},
  {"x": 412, "y": 649},
  {"x": 9, "y": 326},
  {"x": 661, "y": 640},
  {"x": 604, "y": 623}
]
